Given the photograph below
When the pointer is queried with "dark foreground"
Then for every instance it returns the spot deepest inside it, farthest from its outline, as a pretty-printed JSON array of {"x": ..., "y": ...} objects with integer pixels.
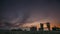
[{"x": 29, "y": 32}]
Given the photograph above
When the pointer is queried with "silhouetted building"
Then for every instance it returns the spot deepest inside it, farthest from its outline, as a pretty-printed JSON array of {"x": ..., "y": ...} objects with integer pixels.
[
  {"x": 48, "y": 25},
  {"x": 33, "y": 29},
  {"x": 41, "y": 27},
  {"x": 55, "y": 28}
]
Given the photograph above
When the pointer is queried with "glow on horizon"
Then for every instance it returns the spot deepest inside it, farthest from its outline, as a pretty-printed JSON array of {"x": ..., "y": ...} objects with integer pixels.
[{"x": 37, "y": 24}]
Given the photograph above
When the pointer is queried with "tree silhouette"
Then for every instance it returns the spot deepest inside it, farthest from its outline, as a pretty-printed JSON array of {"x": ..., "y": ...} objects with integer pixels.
[
  {"x": 55, "y": 28},
  {"x": 33, "y": 29}
]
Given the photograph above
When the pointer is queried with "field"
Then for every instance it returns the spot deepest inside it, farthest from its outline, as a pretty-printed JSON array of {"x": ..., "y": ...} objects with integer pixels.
[{"x": 29, "y": 32}]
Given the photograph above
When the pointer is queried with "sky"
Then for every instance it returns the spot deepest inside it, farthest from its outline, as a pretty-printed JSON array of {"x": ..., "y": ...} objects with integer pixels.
[{"x": 26, "y": 12}]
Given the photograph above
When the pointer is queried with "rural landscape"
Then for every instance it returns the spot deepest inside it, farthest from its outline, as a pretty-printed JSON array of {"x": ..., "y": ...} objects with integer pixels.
[
  {"x": 30, "y": 17},
  {"x": 33, "y": 30}
]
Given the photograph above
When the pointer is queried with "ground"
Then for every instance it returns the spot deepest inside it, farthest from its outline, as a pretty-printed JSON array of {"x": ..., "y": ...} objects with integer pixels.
[{"x": 29, "y": 32}]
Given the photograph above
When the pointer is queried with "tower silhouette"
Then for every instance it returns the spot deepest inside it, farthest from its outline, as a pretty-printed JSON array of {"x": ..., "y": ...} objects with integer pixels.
[
  {"x": 41, "y": 26},
  {"x": 48, "y": 25}
]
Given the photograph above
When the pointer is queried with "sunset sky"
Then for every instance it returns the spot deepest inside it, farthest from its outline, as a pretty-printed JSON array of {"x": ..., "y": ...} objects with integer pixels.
[{"x": 27, "y": 12}]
